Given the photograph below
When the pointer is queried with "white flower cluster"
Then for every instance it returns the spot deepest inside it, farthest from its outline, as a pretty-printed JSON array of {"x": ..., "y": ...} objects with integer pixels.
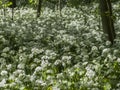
[
  {"x": 56, "y": 52},
  {"x": 90, "y": 73}
]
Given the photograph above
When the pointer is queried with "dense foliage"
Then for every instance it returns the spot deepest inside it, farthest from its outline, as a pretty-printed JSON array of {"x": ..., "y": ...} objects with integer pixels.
[{"x": 56, "y": 52}]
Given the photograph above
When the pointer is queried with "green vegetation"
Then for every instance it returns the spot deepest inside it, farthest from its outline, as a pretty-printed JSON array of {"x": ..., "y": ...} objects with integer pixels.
[{"x": 62, "y": 49}]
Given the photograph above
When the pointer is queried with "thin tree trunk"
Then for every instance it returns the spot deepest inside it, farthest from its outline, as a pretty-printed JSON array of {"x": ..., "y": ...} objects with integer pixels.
[
  {"x": 107, "y": 20},
  {"x": 12, "y": 13},
  {"x": 4, "y": 9},
  {"x": 60, "y": 6},
  {"x": 12, "y": 6},
  {"x": 111, "y": 17},
  {"x": 4, "y": 12},
  {"x": 39, "y": 8},
  {"x": 13, "y": 3}
]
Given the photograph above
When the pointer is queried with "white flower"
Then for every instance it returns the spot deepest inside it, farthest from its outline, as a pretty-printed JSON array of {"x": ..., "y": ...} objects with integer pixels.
[
  {"x": 94, "y": 48},
  {"x": 63, "y": 64},
  {"x": 31, "y": 56},
  {"x": 44, "y": 63},
  {"x": 32, "y": 66},
  {"x": 21, "y": 66},
  {"x": 9, "y": 67},
  {"x": 72, "y": 74},
  {"x": 17, "y": 72},
  {"x": 55, "y": 88},
  {"x": 90, "y": 83},
  {"x": 45, "y": 57},
  {"x": 18, "y": 81},
  {"x": 40, "y": 82},
  {"x": 105, "y": 51},
  {"x": 11, "y": 77},
  {"x": 66, "y": 57},
  {"x": 115, "y": 52},
  {"x": 101, "y": 47},
  {"x": 6, "y": 49},
  {"x": 68, "y": 62},
  {"x": 4, "y": 73},
  {"x": 37, "y": 37},
  {"x": 49, "y": 71},
  {"x": 49, "y": 77},
  {"x": 38, "y": 69},
  {"x": 60, "y": 75},
  {"x": 13, "y": 25},
  {"x": 48, "y": 52},
  {"x": 22, "y": 88},
  {"x": 118, "y": 21},
  {"x": 108, "y": 43},
  {"x": 57, "y": 62},
  {"x": 36, "y": 60},
  {"x": 12, "y": 84},
  {"x": 21, "y": 57},
  {"x": 118, "y": 60},
  {"x": 90, "y": 73},
  {"x": 111, "y": 57},
  {"x": 2, "y": 83},
  {"x": 36, "y": 51},
  {"x": 4, "y": 55},
  {"x": 32, "y": 78},
  {"x": 21, "y": 76}
]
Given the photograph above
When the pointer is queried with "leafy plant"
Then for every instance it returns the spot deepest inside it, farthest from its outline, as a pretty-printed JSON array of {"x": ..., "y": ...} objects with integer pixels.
[{"x": 56, "y": 52}]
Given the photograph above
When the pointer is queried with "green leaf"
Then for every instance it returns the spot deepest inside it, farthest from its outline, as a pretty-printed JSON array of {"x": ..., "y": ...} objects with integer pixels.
[{"x": 107, "y": 86}]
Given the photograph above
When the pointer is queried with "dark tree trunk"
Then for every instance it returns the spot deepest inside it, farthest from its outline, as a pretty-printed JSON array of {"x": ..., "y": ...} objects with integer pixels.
[
  {"x": 107, "y": 20},
  {"x": 4, "y": 11},
  {"x": 13, "y": 3},
  {"x": 12, "y": 6},
  {"x": 12, "y": 13},
  {"x": 39, "y": 8}
]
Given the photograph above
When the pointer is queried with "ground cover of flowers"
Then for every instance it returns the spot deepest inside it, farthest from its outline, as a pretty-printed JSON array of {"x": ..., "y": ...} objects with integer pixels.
[{"x": 54, "y": 52}]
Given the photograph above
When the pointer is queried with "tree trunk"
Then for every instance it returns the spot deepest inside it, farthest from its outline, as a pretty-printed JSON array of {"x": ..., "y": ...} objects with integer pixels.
[
  {"x": 60, "y": 6},
  {"x": 107, "y": 20},
  {"x": 13, "y": 3},
  {"x": 12, "y": 6},
  {"x": 39, "y": 8}
]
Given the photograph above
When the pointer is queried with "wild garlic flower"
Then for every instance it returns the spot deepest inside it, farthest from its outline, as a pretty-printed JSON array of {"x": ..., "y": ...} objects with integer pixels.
[
  {"x": 57, "y": 62},
  {"x": 6, "y": 49},
  {"x": 94, "y": 48},
  {"x": 36, "y": 50},
  {"x": 4, "y": 73},
  {"x": 66, "y": 57},
  {"x": 13, "y": 84},
  {"x": 55, "y": 88},
  {"x": 9, "y": 66},
  {"x": 108, "y": 43},
  {"x": 90, "y": 73},
  {"x": 17, "y": 72},
  {"x": 21, "y": 66},
  {"x": 38, "y": 69},
  {"x": 44, "y": 63},
  {"x": 2, "y": 83},
  {"x": 118, "y": 60},
  {"x": 105, "y": 51},
  {"x": 115, "y": 52},
  {"x": 32, "y": 78},
  {"x": 40, "y": 82}
]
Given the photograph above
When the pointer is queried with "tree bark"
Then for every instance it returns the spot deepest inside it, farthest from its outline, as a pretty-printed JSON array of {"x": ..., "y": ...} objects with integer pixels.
[
  {"x": 12, "y": 6},
  {"x": 39, "y": 8},
  {"x": 107, "y": 20},
  {"x": 13, "y": 3},
  {"x": 60, "y": 7}
]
